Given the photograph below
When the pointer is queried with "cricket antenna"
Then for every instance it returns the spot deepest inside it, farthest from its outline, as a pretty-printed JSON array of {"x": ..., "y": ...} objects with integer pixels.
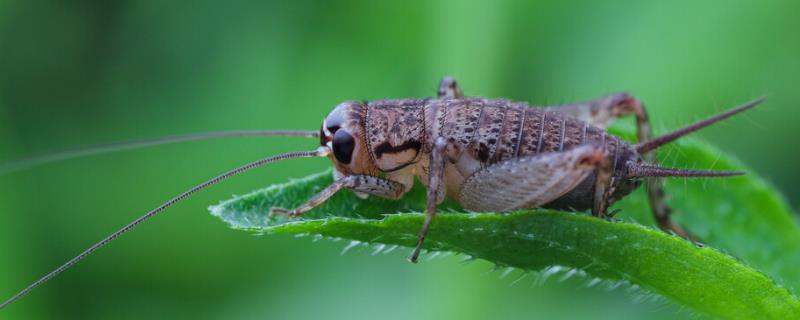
[
  {"x": 638, "y": 170},
  {"x": 71, "y": 153},
  {"x": 320, "y": 152},
  {"x": 650, "y": 145}
]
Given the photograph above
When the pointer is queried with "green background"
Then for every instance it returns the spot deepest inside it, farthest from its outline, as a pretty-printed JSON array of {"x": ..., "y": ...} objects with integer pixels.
[{"x": 98, "y": 71}]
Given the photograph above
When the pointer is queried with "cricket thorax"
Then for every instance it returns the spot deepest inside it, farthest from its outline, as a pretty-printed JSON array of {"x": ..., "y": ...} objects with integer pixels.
[{"x": 395, "y": 132}]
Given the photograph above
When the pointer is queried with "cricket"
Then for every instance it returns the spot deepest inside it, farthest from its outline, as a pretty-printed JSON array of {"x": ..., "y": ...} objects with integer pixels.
[{"x": 490, "y": 155}]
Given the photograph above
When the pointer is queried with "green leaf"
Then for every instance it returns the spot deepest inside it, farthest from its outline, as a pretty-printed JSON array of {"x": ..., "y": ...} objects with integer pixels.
[{"x": 742, "y": 216}]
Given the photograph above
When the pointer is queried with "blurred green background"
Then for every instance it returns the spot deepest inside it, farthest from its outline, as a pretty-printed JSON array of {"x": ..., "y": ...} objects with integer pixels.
[{"x": 83, "y": 72}]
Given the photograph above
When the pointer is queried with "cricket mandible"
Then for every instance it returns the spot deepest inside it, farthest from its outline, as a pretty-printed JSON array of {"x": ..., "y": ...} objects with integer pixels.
[{"x": 490, "y": 155}]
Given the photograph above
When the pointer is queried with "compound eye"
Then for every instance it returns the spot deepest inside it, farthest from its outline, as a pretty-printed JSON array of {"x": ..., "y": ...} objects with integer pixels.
[{"x": 343, "y": 145}]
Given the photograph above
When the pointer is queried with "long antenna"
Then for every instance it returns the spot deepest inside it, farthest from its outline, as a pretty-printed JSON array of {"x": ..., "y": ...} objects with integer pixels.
[
  {"x": 83, "y": 151},
  {"x": 322, "y": 151},
  {"x": 648, "y": 146}
]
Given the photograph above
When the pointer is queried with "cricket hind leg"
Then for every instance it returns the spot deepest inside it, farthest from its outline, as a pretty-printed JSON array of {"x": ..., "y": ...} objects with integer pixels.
[
  {"x": 359, "y": 183},
  {"x": 530, "y": 182},
  {"x": 600, "y": 113},
  {"x": 658, "y": 203}
]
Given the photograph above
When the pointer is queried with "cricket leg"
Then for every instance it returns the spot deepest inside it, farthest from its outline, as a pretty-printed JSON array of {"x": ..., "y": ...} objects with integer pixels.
[
  {"x": 359, "y": 183},
  {"x": 602, "y": 188},
  {"x": 661, "y": 211},
  {"x": 601, "y": 112},
  {"x": 449, "y": 89},
  {"x": 435, "y": 192},
  {"x": 529, "y": 182}
]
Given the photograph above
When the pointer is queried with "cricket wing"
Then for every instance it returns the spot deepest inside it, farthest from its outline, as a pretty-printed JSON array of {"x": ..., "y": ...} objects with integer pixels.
[{"x": 529, "y": 182}]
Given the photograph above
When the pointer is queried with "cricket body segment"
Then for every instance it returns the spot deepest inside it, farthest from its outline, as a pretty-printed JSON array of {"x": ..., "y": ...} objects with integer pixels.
[{"x": 497, "y": 155}]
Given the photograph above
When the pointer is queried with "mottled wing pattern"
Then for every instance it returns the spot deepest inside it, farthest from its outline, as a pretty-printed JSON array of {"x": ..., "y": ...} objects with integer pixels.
[{"x": 528, "y": 182}]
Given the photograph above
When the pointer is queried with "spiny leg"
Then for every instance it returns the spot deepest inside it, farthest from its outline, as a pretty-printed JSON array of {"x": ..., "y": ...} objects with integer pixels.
[
  {"x": 435, "y": 192},
  {"x": 529, "y": 182},
  {"x": 661, "y": 211},
  {"x": 359, "y": 183},
  {"x": 601, "y": 112},
  {"x": 449, "y": 89}
]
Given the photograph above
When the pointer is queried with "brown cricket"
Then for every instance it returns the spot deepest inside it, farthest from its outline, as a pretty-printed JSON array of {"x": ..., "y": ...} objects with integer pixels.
[{"x": 490, "y": 155}]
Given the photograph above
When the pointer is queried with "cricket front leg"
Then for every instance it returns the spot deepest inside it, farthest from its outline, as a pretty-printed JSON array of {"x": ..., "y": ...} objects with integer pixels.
[
  {"x": 360, "y": 183},
  {"x": 435, "y": 192}
]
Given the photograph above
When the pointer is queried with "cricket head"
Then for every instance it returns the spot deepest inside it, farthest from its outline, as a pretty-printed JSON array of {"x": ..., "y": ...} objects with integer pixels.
[{"x": 342, "y": 133}]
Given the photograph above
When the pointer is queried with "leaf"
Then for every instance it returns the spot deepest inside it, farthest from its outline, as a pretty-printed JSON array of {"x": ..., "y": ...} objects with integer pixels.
[{"x": 743, "y": 216}]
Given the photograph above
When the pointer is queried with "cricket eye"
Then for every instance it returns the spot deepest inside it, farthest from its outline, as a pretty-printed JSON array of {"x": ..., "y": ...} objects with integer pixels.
[{"x": 343, "y": 145}]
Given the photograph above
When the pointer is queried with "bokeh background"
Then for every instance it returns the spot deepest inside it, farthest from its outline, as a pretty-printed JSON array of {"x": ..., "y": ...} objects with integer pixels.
[{"x": 84, "y": 72}]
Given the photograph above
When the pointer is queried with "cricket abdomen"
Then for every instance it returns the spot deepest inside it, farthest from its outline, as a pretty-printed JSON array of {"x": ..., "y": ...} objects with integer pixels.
[
  {"x": 483, "y": 132},
  {"x": 494, "y": 130}
]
